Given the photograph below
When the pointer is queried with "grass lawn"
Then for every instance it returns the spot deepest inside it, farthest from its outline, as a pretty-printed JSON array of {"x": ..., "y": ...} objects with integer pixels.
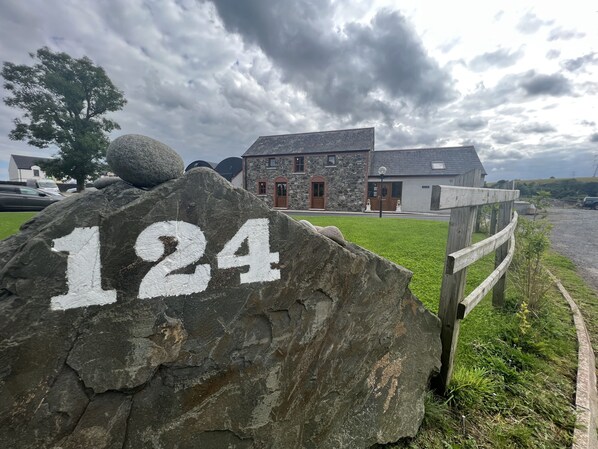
[
  {"x": 513, "y": 385},
  {"x": 11, "y": 221}
]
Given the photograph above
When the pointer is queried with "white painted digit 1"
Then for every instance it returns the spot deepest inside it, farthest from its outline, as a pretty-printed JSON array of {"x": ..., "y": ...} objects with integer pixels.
[
  {"x": 83, "y": 271},
  {"x": 258, "y": 257},
  {"x": 190, "y": 248}
]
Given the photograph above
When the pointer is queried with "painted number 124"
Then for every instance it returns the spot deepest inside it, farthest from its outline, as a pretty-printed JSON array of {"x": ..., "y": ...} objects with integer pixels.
[{"x": 83, "y": 273}]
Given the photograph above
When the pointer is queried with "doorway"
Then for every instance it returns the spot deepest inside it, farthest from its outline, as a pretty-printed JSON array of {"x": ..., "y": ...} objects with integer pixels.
[
  {"x": 280, "y": 198},
  {"x": 317, "y": 195}
]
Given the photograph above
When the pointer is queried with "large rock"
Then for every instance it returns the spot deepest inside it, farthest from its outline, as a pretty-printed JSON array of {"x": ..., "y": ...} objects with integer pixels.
[
  {"x": 314, "y": 345},
  {"x": 143, "y": 161}
]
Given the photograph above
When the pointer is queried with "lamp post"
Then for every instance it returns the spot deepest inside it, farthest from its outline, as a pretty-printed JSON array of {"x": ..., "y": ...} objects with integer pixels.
[{"x": 381, "y": 172}]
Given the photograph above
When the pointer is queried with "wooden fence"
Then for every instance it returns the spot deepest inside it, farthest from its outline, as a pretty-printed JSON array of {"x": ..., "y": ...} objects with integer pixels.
[{"x": 460, "y": 253}]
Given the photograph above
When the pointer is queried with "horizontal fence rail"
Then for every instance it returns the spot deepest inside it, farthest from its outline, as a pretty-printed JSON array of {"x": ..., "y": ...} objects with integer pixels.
[
  {"x": 463, "y": 258},
  {"x": 449, "y": 197},
  {"x": 484, "y": 288}
]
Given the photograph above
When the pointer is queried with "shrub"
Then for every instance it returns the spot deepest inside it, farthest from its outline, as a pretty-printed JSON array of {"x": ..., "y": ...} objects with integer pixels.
[{"x": 530, "y": 279}]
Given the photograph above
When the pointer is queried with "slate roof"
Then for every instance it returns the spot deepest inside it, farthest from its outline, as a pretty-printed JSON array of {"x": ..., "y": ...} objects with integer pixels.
[
  {"x": 418, "y": 162},
  {"x": 26, "y": 162},
  {"x": 343, "y": 140}
]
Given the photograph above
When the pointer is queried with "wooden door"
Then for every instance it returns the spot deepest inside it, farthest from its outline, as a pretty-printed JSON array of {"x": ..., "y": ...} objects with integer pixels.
[
  {"x": 280, "y": 199},
  {"x": 317, "y": 195}
]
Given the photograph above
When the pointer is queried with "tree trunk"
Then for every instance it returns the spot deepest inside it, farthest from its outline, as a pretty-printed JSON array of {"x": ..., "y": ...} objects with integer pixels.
[{"x": 80, "y": 185}]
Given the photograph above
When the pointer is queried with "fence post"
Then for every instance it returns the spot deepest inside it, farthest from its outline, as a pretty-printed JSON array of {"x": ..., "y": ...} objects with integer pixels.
[
  {"x": 504, "y": 218},
  {"x": 461, "y": 226}
]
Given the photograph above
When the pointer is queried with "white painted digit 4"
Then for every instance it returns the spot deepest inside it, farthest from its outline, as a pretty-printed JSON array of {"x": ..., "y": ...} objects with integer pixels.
[
  {"x": 258, "y": 257},
  {"x": 83, "y": 272},
  {"x": 191, "y": 246}
]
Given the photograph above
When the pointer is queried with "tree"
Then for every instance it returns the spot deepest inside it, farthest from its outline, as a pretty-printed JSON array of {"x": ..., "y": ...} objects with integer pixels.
[{"x": 65, "y": 100}]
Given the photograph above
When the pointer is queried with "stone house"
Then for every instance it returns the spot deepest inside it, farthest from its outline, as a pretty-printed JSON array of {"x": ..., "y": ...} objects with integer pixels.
[
  {"x": 22, "y": 168},
  {"x": 321, "y": 170},
  {"x": 339, "y": 171}
]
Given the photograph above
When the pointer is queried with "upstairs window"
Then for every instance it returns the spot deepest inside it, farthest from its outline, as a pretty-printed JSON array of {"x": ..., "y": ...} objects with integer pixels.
[
  {"x": 299, "y": 164},
  {"x": 271, "y": 162},
  {"x": 331, "y": 159},
  {"x": 438, "y": 165},
  {"x": 35, "y": 173},
  {"x": 261, "y": 188}
]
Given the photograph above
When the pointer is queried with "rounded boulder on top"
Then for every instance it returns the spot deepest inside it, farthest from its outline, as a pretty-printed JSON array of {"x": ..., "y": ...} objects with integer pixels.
[{"x": 143, "y": 161}]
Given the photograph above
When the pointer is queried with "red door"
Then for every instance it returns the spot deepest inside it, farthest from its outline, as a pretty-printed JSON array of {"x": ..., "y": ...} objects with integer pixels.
[
  {"x": 280, "y": 199},
  {"x": 317, "y": 195}
]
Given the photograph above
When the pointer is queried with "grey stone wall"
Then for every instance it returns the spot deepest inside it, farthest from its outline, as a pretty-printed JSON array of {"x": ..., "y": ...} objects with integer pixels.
[{"x": 345, "y": 183}]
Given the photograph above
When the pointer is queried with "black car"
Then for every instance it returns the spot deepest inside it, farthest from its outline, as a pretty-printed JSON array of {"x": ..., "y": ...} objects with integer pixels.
[
  {"x": 591, "y": 202},
  {"x": 13, "y": 197}
]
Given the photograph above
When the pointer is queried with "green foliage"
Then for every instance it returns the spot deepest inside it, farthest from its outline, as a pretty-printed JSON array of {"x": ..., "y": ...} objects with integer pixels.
[
  {"x": 65, "y": 101},
  {"x": 471, "y": 387},
  {"x": 564, "y": 189},
  {"x": 531, "y": 279}
]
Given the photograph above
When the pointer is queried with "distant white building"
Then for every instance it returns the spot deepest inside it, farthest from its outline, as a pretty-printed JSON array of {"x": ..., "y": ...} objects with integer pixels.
[{"x": 22, "y": 168}]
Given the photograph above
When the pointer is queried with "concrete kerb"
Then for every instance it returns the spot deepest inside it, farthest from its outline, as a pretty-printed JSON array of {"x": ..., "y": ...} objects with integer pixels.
[{"x": 586, "y": 398}]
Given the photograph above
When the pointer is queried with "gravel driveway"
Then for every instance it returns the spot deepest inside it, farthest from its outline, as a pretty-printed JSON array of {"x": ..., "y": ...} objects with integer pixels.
[{"x": 575, "y": 235}]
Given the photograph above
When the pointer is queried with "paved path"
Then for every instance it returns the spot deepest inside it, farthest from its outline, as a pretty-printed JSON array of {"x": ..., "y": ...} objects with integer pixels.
[{"x": 575, "y": 235}]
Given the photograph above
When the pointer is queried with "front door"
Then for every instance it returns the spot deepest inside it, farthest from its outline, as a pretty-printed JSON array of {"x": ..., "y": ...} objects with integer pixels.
[
  {"x": 317, "y": 195},
  {"x": 281, "y": 195}
]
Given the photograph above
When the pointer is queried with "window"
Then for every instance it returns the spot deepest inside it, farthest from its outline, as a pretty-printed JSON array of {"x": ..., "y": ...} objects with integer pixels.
[
  {"x": 271, "y": 162},
  {"x": 28, "y": 191},
  {"x": 425, "y": 187},
  {"x": 35, "y": 173},
  {"x": 317, "y": 189},
  {"x": 438, "y": 165},
  {"x": 261, "y": 188},
  {"x": 397, "y": 189},
  {"x": 299, "y": 164},
  {"x": 331, "y": 159},
  {"x": 372, "y": 189}
]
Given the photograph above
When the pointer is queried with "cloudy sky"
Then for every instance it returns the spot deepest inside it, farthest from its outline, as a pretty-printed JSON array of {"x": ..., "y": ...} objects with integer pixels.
[{"x": 517, "y": 79}]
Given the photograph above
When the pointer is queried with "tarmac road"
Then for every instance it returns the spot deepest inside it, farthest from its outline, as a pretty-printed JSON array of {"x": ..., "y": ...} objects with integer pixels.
[{"x": 575, "y": 235}]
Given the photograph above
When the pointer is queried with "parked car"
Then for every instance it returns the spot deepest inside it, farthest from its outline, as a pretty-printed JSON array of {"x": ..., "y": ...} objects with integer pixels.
[
  {"x": 45, "y": 185},
  {"x": 590, "y": 202},
  {"x": 14, "y": 197}
]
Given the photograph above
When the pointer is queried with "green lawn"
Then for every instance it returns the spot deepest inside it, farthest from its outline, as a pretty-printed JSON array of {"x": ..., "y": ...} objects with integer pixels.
[
  {"x": 513, "y": 387},
  {"x": 11, "y": 221}
]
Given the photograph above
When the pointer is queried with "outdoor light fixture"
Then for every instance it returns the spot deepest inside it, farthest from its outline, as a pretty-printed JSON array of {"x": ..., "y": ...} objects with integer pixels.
[{"x": 381, "y": 172}]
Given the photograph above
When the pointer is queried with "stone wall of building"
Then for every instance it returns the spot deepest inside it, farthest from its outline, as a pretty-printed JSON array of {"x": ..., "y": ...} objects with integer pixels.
[{"x": 345, "y": 182}]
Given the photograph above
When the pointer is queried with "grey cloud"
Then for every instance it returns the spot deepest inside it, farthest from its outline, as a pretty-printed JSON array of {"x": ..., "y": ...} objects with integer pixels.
[
  {"x": 504, "y": 138},
  {"x": 573, "y": 65},
  {"x": 588, "y": 123},
  {"x": 594, "y": 138},
  {"x": 500, "y": 58},
  {"x": 472, "y": 123},
  {"x": 368, "y": 67},
  {"x": 563, "y": 34},
  {"x": 540, "y": 84},
  {"x": 535, "y": 127},
  {"x": 502, "y": 155},
  {"x": 530, "y": 23},
  {"x": 552, "y": 54}
]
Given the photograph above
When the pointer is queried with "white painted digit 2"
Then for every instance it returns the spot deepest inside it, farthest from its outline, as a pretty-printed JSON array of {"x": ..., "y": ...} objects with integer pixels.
[
  {"x": 83, "y": 271},
  {"x": 191, "y": 246}
]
